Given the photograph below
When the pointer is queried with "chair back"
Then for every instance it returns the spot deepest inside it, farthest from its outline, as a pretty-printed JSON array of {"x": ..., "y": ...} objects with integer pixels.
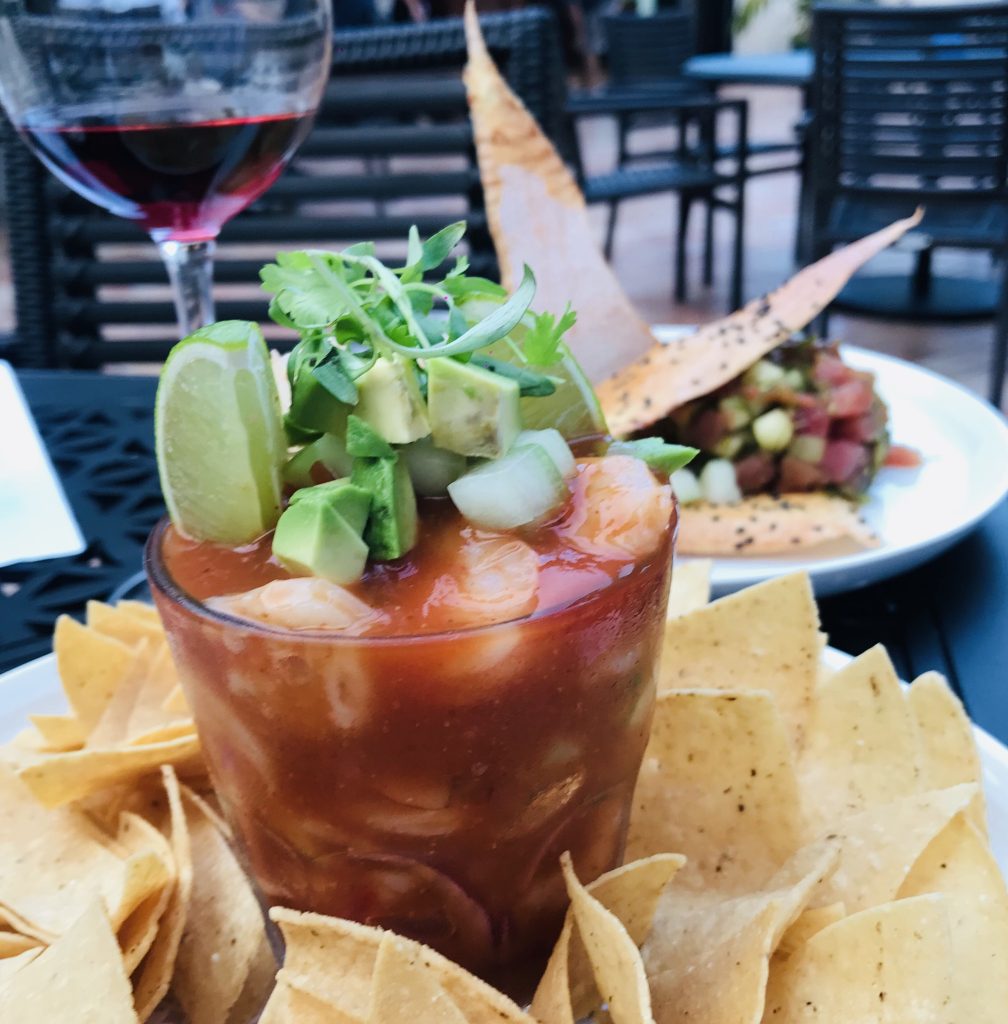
[
  {"x": 647, "y": 51},
  {"x": 391, "y": 146},
  {"x": 910, "y": 103}
]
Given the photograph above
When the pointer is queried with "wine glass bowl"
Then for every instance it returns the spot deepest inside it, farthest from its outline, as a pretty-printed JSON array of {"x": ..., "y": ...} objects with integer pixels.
[{"x": 175, "y": 115}]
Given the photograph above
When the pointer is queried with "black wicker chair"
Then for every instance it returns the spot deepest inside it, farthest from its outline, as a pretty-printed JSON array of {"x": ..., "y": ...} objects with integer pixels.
[
  {"x": 911, "y": 107},
  {"x": 391, "y": 146},
  {"x": 646, "y": 87}
]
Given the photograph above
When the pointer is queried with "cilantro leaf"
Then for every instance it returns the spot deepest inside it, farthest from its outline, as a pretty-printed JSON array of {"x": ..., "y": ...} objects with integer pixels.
[
  {"x": 530, "y": 383},
  {"x": 542, "y": 345},
  {"x": 331, "y": 374}
]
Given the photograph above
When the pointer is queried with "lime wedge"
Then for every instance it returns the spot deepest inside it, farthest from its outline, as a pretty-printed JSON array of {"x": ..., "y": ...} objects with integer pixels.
[
  {"x": 573, "y": 408},
  {"x": 218, "y": 434}
]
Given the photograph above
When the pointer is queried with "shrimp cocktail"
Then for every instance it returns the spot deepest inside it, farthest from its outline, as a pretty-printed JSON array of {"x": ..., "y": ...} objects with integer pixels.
[{"x": 416, "y": 603}]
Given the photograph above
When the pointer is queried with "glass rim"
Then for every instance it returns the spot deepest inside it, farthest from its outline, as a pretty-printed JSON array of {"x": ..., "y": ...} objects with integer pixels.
[{"x": 162, "y": 581}]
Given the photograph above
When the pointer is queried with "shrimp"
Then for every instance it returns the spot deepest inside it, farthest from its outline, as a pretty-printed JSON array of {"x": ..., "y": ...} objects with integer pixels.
[
  {"x": 619, "y": 509},
  {"x": 491, "y": 578},
  {"x": 305, "y": 602}
]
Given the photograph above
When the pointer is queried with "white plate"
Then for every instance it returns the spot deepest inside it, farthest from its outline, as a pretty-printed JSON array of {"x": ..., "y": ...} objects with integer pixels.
[
  {"x": 34, "y": 688},
  {"x": 918, "y": 513}
]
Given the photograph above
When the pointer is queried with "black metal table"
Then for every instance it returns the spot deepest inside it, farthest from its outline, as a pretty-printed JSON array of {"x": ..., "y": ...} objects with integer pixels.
[{"x": 950, "y": 615}]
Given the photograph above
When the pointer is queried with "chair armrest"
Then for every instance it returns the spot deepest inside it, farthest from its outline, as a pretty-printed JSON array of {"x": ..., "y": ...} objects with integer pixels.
[{"x": 645, "y": 101}]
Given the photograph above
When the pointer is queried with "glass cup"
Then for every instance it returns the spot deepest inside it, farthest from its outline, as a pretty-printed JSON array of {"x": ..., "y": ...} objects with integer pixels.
[{"x": 429, "y": 783}]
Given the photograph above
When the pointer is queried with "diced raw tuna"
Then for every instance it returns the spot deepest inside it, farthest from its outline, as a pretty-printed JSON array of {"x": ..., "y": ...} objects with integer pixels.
[
  {"x": 813, "y": 420},
  {"x": 754, "y": 472},
  {"x": 844, "y": 461},
  {"x": 798, "y": 475},
  {"x": 830, "y": 371},
  {"x": 852, "y": 398},
  {"x": 707, "y": 429}
]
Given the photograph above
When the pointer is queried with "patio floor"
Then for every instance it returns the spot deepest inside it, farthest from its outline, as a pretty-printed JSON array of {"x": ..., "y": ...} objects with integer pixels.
[{"x": 643, "y": 255}]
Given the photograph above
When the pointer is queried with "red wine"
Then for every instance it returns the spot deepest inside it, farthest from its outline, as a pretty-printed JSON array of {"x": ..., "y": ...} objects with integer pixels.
[{"x": 181, "y": 181}]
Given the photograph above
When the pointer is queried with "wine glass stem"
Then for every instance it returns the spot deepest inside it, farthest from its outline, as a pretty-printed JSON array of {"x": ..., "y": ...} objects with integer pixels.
[{"x": 190, "y": 270}]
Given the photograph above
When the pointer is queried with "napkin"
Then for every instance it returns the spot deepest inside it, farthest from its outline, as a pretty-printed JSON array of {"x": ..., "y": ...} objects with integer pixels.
[{"x": 35, "y": 519}]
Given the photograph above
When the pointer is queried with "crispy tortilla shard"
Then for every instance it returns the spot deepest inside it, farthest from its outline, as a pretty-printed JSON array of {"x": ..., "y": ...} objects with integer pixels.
[
  {"x": 667, "y": 376},
  {"x": 534, "y": 206}
]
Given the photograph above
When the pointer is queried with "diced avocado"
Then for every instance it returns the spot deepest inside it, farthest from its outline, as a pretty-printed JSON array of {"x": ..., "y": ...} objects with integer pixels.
[
  {"x": 329, "y": 450},
  {"x": 735, "y": 411},
  {"x": 472, "y": 411},
  {"x": 314, "y": 409},
  {"x": 364, "y": 441},
  {"x": 431, "y": 468},
  {"x": 729, "y": 446},
  {"x": 807, "y": 448},
  {"x": 773, "y": 430},
  {"x": 660, "y": 456},
  {"x": 392, "y": 523},
  {"x": 389, "y": 400},
  {"x": 353, "y": 503},
  {"x": 313, "y": 539},
  {"x": 764, "y": 375}
]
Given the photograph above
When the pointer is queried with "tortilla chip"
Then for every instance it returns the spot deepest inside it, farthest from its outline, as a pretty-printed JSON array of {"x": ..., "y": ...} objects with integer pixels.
[
  {"x": 61, "y": 778},
  {"x": 152, "y": 981},
  {"x": 947, "y": 750},
  {"x": 957, "y": 860},
  {"x": 808, "y": 923},
  {"x": 111, "y": 728},
  {"x": 59, "y": 732},
  {"x": 708, "y": 955},
  {"x": 690, "y": 586},
  {"x": 630, "y": 893},
  {"x": 290, "y": 1005},
  {"x": 931, "y": 958},
  {"x": 46, "y": 852},
  {"x": 124, "y": 623},
  {"x": 224, "y": 936},
  {"x": 79, "y": 978},
  {"x": 91, "y": 667},
  {"x": 176, "y": 702},
  {"x": 764, "y": 525},
  {"x": 879, "y": 846},
  {"x": 334, "y": 960},
  {"x": 10, "y": 965},
  {"x": 534, "y": 206},
  {"x": 718, "y": 785},
  {"x": 763, "y": 638},
  {"x": 14, "y": 944},
  {"x": 553, "y": 1002},
  {"x": 667, "y": 376},
  {"x": 615, "y": 960},
  {"x": 861, "y": 744},
  {"x": 403, "y": 989}
]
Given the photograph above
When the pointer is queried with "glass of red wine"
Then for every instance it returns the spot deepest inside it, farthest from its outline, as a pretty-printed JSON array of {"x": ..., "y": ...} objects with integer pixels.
[{"x": 174, "y": 113}]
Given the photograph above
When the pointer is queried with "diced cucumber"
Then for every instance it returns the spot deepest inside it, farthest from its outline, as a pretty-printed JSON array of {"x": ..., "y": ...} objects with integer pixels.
[
  {"x": 472, "y": 411},
  {"x": 735, "y": 411},
  {"x": 553, "y": 443},
  {"x": 764, "y": 375},
  {"x": 660, "y": 456},
  {"x": 512, "y": 491},
  {"x": 795, "y": 380},
  {"x": 773, "y": 430},
  {"x": 329, "y": 450},
  {"x": 389, "y": 400},
  {"x": 808, "y": 447},
  {"x": 729, "y": 446},
  {"x": 718, "y": 483},
  {"x": 686, "y": 486},
  {"x": 431, "y": 468}
]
